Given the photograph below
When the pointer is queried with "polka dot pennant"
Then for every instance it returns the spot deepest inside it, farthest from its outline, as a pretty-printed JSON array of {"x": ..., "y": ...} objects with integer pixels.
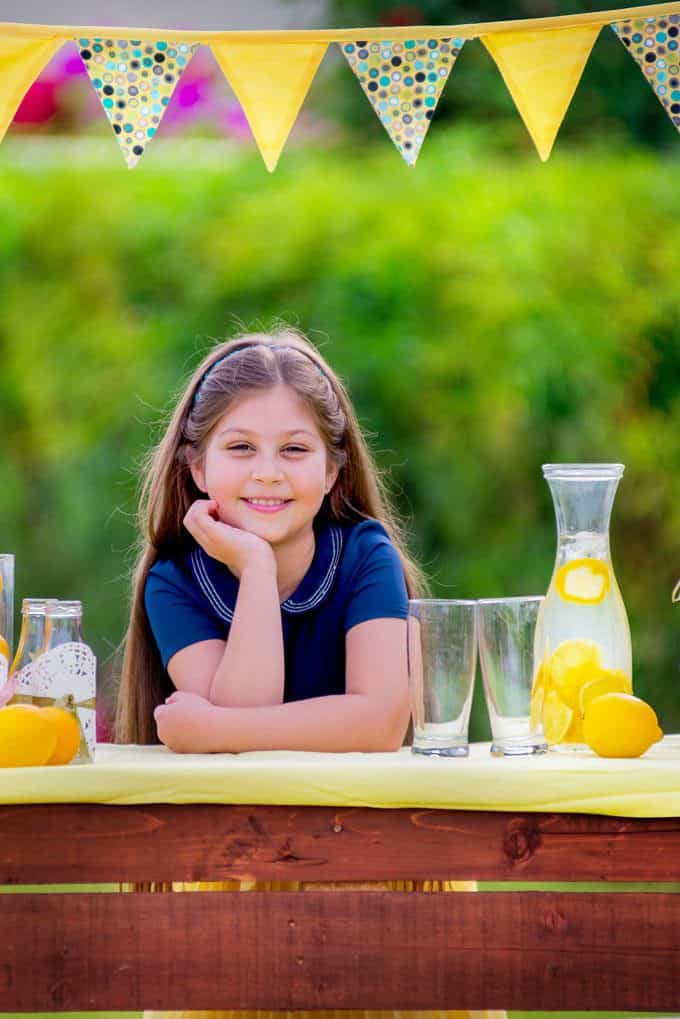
[
  {"x": 403, "y": 81},
  {"x": 654, "y": 43},
  {"x": 134, "y": 79}
]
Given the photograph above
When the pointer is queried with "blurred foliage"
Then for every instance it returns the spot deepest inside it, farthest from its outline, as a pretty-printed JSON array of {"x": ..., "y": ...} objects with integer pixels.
[
  {"x": 490, "y": 313},
  {"x": 612, "y": 96}
]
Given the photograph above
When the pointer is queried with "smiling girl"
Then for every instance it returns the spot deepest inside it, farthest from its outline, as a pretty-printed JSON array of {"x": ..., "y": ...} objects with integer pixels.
[{"x": 271, "y": 592}]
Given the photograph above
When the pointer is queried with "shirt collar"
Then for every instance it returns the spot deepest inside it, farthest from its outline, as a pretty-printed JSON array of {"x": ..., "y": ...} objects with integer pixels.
[{"x": 219, "y": 586}]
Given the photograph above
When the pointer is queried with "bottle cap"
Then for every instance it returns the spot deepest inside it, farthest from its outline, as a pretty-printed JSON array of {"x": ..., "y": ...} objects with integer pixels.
[
  {"x": 35, "y": 606},
  {"x": 55, "y": 607}
]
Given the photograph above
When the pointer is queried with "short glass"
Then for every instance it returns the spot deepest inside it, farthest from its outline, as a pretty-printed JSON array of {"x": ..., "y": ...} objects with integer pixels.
[
  {"x": 506, "y": 628},
  {"x": 442, "y": 657}
]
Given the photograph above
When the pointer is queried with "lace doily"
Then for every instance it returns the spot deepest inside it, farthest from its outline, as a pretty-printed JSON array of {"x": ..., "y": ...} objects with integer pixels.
[{"x": 68, "y": 669}]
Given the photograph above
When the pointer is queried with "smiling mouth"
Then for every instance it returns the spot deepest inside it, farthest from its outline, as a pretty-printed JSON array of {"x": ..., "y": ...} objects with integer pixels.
[{"x": 267, "y": 505}]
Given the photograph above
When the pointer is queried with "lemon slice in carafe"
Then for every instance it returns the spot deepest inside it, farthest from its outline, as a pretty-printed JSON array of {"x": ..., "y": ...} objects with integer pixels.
[
  {"x": 538, "y": 692},
  {"x": 584, "y": 581},
  {"x": 608, "y": 681},
  {"x": 557, "y": 717},
  {"x": 574, "y": 663}
]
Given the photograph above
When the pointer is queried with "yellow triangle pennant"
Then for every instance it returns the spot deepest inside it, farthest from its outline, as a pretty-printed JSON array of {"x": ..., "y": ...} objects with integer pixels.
[
  {"x": 134, "y": 79},
  {"x": 541, "y": 71},
  {"x": 654, "y": 44},
  {"x": 22, "y": 58},
  {"x": 403, "y": 82},
  {"x": 270, "y": 81}
]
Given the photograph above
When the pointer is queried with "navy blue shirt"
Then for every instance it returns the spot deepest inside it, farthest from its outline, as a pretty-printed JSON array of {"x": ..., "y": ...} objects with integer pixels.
[{"x": 356, "y": 575}]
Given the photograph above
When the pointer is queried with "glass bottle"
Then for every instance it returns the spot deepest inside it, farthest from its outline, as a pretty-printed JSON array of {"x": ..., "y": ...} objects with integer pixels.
[
  {"x": 582, "y": 632},
  {"x": 63, "y": 625},
  {"x": 29, "y": 646}
]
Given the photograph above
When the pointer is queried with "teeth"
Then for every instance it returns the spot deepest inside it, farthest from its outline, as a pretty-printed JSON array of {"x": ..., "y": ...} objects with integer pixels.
[{"x": 267, "y": 502}]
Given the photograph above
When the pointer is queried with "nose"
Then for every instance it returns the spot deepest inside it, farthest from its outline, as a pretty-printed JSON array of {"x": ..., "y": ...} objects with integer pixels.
[{"x": 267, "y": 471}]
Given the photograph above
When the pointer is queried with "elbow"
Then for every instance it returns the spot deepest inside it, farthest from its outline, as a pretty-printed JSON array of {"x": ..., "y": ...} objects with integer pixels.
[{"x": 389, "y": 737}]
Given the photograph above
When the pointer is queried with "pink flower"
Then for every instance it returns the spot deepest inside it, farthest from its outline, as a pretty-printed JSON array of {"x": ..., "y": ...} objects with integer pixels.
[{"x": 236, "y": 122}]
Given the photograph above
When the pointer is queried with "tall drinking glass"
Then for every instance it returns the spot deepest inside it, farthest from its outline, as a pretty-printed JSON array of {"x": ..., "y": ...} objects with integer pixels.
[
  {"x": 7, "y": 600},
  {"x": 442, "y": 656},
  {"x": 506, "y": 628}
]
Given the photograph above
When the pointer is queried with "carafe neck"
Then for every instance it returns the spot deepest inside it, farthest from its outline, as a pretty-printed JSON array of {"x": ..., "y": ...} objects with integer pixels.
[{"x": 583, "y": 496}]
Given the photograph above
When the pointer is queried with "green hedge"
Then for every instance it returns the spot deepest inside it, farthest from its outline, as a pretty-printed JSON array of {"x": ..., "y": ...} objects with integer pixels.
[{"x": 489, "y": 312}]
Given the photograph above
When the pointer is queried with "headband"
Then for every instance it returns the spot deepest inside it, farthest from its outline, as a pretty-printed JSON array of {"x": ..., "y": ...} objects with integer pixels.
[{"x": 249, "y": 346}]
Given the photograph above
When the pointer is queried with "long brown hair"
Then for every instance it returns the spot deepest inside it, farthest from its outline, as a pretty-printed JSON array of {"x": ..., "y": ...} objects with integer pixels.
[{"x": 251, "y": 361}]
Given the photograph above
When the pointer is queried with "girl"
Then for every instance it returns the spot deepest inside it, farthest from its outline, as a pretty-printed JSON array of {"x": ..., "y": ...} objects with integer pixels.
[{"x": 271, "y": 593}]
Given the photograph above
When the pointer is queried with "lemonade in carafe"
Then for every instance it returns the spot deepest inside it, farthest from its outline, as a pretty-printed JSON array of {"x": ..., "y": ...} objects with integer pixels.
[{"x": 582, "y": 641}]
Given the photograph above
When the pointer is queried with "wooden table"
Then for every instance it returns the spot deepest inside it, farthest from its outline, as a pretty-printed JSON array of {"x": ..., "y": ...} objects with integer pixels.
[{"x": 334, "y": 948}]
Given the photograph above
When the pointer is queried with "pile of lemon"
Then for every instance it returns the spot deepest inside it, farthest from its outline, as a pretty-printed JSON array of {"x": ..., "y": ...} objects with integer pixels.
[
  {"x": 580, "y": 701},
  {"x": 31, "y": 736}
]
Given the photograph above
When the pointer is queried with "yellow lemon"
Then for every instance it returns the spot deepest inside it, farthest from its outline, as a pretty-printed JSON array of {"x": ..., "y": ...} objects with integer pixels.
[
  {"x": 574, "y": 663},
  {"x": 557, "y": 718},
  {"x": 27, "y": 736},
  {"x": 67, "y": 729},
  {"x": 608, "y": 681},
  {"x": 584, "y": 581},
  {"x": 620, "y": 725},
  {"x": 538, "y": 692}
]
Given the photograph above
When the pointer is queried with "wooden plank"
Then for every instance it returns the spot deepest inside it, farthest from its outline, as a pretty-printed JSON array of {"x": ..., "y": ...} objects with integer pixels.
[
  {"x": 381, "y": 950},
  {"x": 51, "y": 843}
]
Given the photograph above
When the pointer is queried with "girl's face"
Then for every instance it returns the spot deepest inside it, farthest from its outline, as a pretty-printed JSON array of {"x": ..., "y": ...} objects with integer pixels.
[{"x": 266, "y": 465}]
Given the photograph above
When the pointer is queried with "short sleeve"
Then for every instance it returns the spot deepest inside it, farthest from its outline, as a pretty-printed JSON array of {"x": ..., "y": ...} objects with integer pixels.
[
  {"x": 378, "y": 589},
  {"x": 176, "y": 616}
]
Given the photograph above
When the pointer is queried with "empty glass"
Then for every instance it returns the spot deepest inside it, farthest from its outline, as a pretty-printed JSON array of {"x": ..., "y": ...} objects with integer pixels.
[
  {"x": 506, "y": 628},
  {"x": 442, "y": 656},
  {"x": 7, "y": 600}
]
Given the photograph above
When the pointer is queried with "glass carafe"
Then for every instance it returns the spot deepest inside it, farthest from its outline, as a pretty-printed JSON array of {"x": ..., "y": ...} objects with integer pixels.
[{"x": 582, "y": 633}]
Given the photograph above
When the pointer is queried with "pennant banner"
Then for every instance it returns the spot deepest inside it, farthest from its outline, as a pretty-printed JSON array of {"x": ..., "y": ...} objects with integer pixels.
[
  {"x": 653, "y": 44},
  {"x": 541, "y": 60},
  {"x": 542, "y": 70},
  {"x": 270, "y": 82},
  {"x": 22, "y": 58},
  {"x": 134, "y": 80},
  {"x": 403, "y": 81}
]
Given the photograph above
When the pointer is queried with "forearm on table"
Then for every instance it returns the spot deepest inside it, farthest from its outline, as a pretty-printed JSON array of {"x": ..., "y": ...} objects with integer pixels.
[
  {"x": 251, "y": 672},
  {"x": 335, "y": 723}
]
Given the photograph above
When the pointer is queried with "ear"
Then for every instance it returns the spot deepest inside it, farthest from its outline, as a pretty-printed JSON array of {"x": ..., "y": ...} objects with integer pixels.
[
  {"x": 331, "y": 475},
  {"x": 198, "y": 474}
]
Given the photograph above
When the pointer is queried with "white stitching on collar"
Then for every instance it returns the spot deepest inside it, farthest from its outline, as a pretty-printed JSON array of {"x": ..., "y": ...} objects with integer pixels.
[
  {"x": 223, "y": 610},
  {"x": 324, "y": 587},
  {"x": 208, "y": 588}
]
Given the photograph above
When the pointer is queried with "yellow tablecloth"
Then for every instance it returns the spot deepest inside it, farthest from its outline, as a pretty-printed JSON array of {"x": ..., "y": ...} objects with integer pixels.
[{"x": 577, "y": 782}]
